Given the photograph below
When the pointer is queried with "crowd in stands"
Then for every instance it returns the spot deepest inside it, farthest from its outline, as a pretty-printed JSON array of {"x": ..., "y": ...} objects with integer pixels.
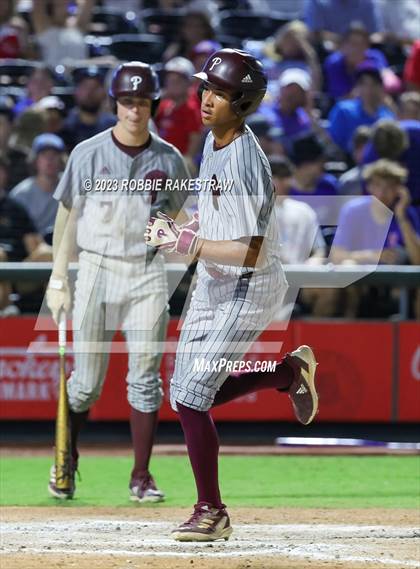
[{"x": 340, "y": 122}]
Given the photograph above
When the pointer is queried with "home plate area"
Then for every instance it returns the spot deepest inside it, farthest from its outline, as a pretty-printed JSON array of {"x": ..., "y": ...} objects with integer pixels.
[{"x": 282, "y": 545}]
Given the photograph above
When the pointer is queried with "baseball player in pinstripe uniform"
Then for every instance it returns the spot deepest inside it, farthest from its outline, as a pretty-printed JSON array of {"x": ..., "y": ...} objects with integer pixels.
[
  {"x": 120, "y": 282},
  {"x": 240, "y": 282}
]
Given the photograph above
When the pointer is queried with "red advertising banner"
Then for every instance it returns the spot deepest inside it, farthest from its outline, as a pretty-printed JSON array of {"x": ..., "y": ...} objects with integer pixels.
[
  {"x": 354, "y": 374},
  {"x": 409, "y": 371}
]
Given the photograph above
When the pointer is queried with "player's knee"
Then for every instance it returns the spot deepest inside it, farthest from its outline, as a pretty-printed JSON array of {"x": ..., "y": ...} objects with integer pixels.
[
  {"x": 82, "y": 401},
  {"x": 81, "y": 397},
  {"x": 146, "y": 393},
  {"x": 188, "y": 399}
]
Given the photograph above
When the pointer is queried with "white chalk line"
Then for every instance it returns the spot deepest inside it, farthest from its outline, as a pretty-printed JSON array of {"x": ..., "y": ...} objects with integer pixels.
[
  {"x": 241, "y": 545},
  {"x": 352, "y": 530},
  {"x": 224, "y": 554}
]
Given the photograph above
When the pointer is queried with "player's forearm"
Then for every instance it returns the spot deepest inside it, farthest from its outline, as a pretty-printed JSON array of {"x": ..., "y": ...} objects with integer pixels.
[
  {"x": 64, "y": 238},
  {"x": 239, "y": 253}
]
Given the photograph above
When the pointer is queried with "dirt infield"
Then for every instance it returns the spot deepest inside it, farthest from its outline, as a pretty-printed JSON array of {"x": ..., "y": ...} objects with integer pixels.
[{"x": 263, "y": 538}]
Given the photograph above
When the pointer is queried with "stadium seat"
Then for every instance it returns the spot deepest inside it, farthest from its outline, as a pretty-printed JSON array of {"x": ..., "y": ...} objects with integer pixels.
[
  {"x": 161, "y": 22},
  {"x": 246, "y": 24},
  {"x": 144, "y": 47},
  {"x": 15, "y": 92},
  {"x": 15, "y": 72},
  {"x": 109, "y": 22},
  {"x": 229, "y": 41},
  {"x": 336, "y": 167},
  {"x": 98, "y": 45}
]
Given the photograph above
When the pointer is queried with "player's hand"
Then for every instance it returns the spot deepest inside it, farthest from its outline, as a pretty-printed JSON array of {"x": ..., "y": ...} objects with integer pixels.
[
  {"x": 162, "y": 232},
  {"x": 403, "y": 201},
  {"x": 58, "y": 298},
  {"x": 192, "y": 224}
]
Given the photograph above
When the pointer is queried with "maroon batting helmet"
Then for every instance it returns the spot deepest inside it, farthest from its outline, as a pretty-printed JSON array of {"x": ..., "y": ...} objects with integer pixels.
[
  {"x": 135, "y": 78},
  {"x": 236, "y": 71}
]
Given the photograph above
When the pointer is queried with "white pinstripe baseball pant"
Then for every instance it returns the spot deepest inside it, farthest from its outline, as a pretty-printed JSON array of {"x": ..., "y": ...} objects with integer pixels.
[
  {"x": 112, "y": 293},
  {"x": 224, "y": 318}
]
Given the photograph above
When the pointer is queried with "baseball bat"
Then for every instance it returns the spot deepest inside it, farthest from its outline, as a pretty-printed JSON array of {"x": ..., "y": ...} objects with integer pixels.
[{"x": 62, "y": 425}]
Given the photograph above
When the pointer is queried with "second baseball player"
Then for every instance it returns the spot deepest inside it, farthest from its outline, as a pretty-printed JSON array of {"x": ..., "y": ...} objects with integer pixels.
[{"x": 240, "y": 285}]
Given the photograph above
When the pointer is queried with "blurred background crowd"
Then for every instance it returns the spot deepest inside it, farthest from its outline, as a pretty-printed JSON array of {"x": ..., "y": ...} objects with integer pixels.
[{"x": 341, "y": 118}]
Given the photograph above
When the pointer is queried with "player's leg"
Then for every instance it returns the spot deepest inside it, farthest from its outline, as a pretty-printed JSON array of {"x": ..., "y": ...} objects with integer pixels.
[
  {"x": 144, "y": 323},
  {"x": 91, "y": 339},
  {"x": 210, "y": 336},
  {"x": 199, "y": 429},
  {"x": 239, "y": 385},
  {"x": 210, "y": 520},
  {"x": 294, "y": 374}
]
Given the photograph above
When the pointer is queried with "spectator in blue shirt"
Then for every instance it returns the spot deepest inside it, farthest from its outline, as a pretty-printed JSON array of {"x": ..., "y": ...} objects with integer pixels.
[
  {"x": 351, "y": 182},
  {"x": 310, "y": 183},
  {"x": 367, "y": 108},
  {"x": 340, "y": 67},
  {"x": 336, "y": 15},
  {"x": 369, "y": 233},
  {"x": 35, "y": 193},
  {"x": 398, "y": 141},
  {"x": 288, "y": 113},
  {"x": 384, "y": 230}
]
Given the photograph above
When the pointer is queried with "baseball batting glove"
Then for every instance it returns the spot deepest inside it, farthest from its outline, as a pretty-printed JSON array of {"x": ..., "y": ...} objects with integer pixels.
[
  {"x": 58, "y": 297},
  {"x": 162, "y": 232}
]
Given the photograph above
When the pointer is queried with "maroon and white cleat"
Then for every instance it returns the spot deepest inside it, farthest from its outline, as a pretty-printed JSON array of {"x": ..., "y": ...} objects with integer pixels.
[
  {"x": 302, "y": 391},
  {"x": 145, "y": 490},
  {"x": 206, "y": 524}
]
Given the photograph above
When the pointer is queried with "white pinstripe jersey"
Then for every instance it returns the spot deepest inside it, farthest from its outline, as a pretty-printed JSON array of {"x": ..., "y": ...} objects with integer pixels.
[
  {"x": 113, "y": 222},
  {"x": 246, "y": 209}
]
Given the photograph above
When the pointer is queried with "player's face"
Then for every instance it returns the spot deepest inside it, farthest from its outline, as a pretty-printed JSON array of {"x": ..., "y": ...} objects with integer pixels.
[
  {"x": 216, "y": 109},
  {"x": 134, "y": 113}
]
